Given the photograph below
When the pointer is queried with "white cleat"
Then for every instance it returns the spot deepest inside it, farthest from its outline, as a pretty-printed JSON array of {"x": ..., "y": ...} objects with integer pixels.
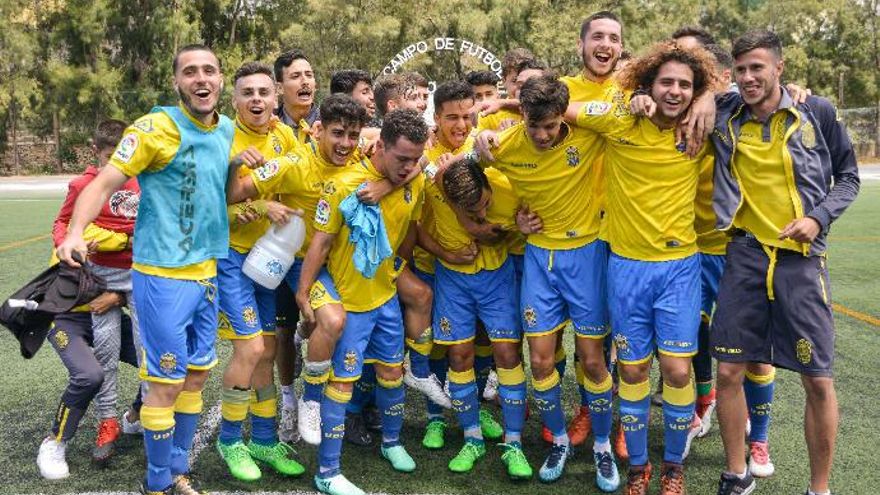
[
  {"x": 706, "y": 419},
  {"x": 51, "y": 460},
  {"x": 429, "y": 386},
  {"x": 309, "y": 421},
  {"x": 131, "y": 427},
  {"x": 693, "y": 432},
  {"x": 490, "y": 393},
  {"x": 760, "y": 464},
  {"x": 288, "y": 429}
]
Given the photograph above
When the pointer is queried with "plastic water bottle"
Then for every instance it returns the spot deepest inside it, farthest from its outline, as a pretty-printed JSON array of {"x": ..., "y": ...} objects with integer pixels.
[{"x": 273, "y": 253}]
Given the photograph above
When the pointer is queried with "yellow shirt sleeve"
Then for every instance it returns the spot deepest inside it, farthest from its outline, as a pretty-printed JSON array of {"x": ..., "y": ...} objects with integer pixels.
[
  {"x": 107, "y": 240},
  {"x": 605, "y": 117},
  {"x": 282, "y": 175},
  {"x": 149, "y": 144}
]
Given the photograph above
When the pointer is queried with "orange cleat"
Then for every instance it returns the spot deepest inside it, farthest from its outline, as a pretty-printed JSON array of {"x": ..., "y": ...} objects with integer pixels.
[
  {"x": 546, "y": 435},
  {"x": 620, "y": 445},
  {"x": 579, "y": 428},
  {"x": 672, "y": 481},
  {"x": 108, "y": 433},
  {"x": 637, "y": 480}
]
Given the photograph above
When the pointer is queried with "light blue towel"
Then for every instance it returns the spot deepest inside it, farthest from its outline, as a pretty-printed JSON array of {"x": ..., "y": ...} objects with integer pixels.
[{"x": 368, "y": 233}]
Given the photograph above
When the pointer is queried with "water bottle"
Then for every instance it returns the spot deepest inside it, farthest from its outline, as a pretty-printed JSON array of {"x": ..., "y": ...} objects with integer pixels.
[{"x": 273, "y": 253}]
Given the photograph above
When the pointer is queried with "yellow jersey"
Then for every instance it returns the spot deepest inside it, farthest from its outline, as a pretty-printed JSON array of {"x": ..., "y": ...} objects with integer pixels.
[
  {"x": 493, "y": 121},
  {"x": 709, "y": 239},
  {"x": 399, "y": 209},
  {"x": 770, "y": 197},
  {"x": 300, "y": 179},
  {"x": 158, "y": 140},
  {"x": 560, "y": 184},
  {"x": 652, "y": 185},
  {"x": 278, "y": 141}
]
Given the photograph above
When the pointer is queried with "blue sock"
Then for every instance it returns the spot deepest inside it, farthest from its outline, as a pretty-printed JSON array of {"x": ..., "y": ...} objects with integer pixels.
[
  {"x": 230, "y": 432},
  {"x": 463, "y": 392},
  {"x": 158, "y": 443},
  {"x": 759, "y": 398},
  {"x": 512, "y": 390},
  {"x": 678, "y": 412},
  {"x": 184, "y": 432},
  {"x": 418, "y": 364},
  {"x": 599, "y": 402},
  {"x": 438, "y": 367},
  {"x": 332, "y": 430},
  {"x": 263, "y": 430},
  {"x": 548, "y": 399},
  {"x": 390, "y": 398},
  {"x": 635, "y": 406},
  {"x": 263, "y": 407},
  {"x": 313, "y": 391}
]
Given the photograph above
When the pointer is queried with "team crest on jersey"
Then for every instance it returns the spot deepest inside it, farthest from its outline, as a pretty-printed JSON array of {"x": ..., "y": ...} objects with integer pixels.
[
  {"x": 249, "y": 315},
  {"x": 274, "y": 267},
  {"x": 350, "y": 360},
  {"x": 808, "y": 135},
  {"x": 329, "y": 187},
  {"x": 573, "y": 156},
  {"x": 168, "y": 362},
  {"x": 268, "y": 170},
  {"x": 124, "y": 203},
  {"x": 530, "y": 316},
  {"x": 317, "y": 293},
  {"x": 407, "y": 193},
  {"x": 144, "y": 125},
  {"x": 126, "y": 147},
  {"x": 622, "y": 344},
  {"x": 322, "y": 212},
  {"x": 804, "y": 351},
  {"x": 61, "y": 339},
  {"x": 276, "y": 145},
  {"x": 445, "y": 326},
  {"x": 597, "y": 108}
]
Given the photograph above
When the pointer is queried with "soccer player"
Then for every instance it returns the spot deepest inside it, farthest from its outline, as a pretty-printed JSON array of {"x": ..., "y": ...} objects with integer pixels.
[
  {"x": 247, "y": 309},
  {"x": 550, "y": 165},
  {"x": 484, "y": 83},
  {"x": 180, "y": 155},
  {"x": 784, "y": 172},
  {"x": 373, "y": 332},
  {"x": 653, "y": 271},
  {"x": 692, "y": 37},
  {"x": 356, "y": 83},
  {"x": 296, "y": 87}
]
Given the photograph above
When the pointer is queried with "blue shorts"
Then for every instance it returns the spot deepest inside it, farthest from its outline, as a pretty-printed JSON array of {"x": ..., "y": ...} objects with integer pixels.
[
  {"x": 712, "y": 266},
  {"x": 462, "y": 298},
  {"x": 369, "y": 337},
  {"x": 246, "y": 307},
  {"x": 292, "y": 277},
  {"x": 565, "y": 284},
  {"x": 517, "y": 260},
  {"x": 178, "y": 325},
  {"x": 654, "y": 302},
  {"x": 427, "y": 278}
]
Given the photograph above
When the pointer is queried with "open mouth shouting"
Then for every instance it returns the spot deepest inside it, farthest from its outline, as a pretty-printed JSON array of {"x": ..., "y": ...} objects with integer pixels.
[{"x": 305, "y": 95}]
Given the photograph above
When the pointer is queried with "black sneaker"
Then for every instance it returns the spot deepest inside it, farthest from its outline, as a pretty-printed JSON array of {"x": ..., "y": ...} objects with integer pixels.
[
  {"x": 732, "y": 484},
  {"x": 372, "y": 418},
  {"x": 356, "y": 431}
]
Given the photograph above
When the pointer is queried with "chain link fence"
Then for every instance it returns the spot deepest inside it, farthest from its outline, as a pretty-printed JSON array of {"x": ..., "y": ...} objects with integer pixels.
[{"x": 862, "y": 125}]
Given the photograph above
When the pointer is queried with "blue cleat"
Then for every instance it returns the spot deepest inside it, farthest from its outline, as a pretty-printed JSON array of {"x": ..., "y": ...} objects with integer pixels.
[
  {"x": 554, "y": 465},
  {"x": 607, "y": 477}
]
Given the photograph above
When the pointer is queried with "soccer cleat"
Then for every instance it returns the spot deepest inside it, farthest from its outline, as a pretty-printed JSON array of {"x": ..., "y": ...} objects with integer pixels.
[
  {"x": 672, "y": 480},
  {"x": 238, "y": 459},
  {"x": 435, "y": 434},
  {"x": 372, "y": 418},
  {"x": 105, "y": 443},
  {"x": 554, "y": 465},
  {"x": 309, "y": 421},
  {"x": 760, "y": 464},
  {"x": 490, "y": 392},
  {"x": 470, "y": 452},
  {"x": 518, "y": 467},
  {"x": 607, "y": 476},
  {"x": 637, "y": 480},
  {"x": 131, "y": 427},
  {"x": 732, "y": 484},
  {"x": 143, "y": 490},
  {"x": 336, "y": 485},
  {"x": 693, "y": 432},
  {"x": 705, "y": 407},
  {"x": 279, "y": 456},
  {"x": 288, "y": 431},
  {"x": 356, "y": 430},
  {"x": 546, "y": 434},
  {"x": 186, "y": 484},
  {"x": 51, "y": 459},
  {"x": 579, "y": 428},
  {"x": 399, "y": 458},
  {"x": 430, "y": 386},
  {"x": 490, "y": 428},
  {"x": 620, "y": 445}
]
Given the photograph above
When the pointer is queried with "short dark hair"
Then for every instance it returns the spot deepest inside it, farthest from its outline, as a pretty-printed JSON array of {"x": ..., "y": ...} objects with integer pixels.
[
  {"x": 602, "y": 14},
  {"x": 388, "y": 88},
  {"x": 193, "y": 47},
  {"x": 452, "y": 91},
  {"x": 403, "y": 122},
  {"x": 416, "y": 78},
  {"x": 464, "y": 182},
  {"x": 530, "y": 64},
  {"x": 697, "y": 32},
  {"x": 285, "y": 59},
  {"x": 108, "y": 133},
  {"x": 512, "y": 59},
  {"x": 251, "y": 68},
  {"x": 344, "y": 81},
  {"x": 481, "y": 78},
  {"x": 341, "y": 108},
  {"x": 722, "y": 56},
  {"x": 757, "y": 39},
  {"x": 542, "y": 97}
]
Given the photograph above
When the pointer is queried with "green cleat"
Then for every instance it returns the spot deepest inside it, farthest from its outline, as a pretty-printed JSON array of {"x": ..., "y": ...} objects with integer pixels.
[
  {"x": 279, "y": 456},
  {"x": 514, "y": 458},
  {"x": 239, "y": 460},
  {"x": 337, "y": 485},
  {"x": 399, "y": 458},
  {"x": 435, "y": 434},
  {"x": 490, "y": 428},
  {"x": 467, "y": 456}
]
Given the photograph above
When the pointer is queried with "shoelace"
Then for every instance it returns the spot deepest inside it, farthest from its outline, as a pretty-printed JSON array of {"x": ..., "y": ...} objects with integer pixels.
[
  {"x": 436, "y": 425},
  {"x": 673, "y": 481},
  {"x": 636, "y": 483},
  {"x": 606, "y": 464},
  {"x": 557, "y": 453},
  {"x": 284, "y": 449},
  {"x": 725, "y": 486},
  {"x": 314, "y": 418},
  {"x": 470, "y": 450},
  {"x": 57, "y": 452},
  {"x": 237, "y": 452},
  {"x": 511, "y": 451}
]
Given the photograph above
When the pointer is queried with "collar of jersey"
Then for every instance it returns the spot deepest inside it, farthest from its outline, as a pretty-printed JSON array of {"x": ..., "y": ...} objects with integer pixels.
[{"x": 196, "y": 121}]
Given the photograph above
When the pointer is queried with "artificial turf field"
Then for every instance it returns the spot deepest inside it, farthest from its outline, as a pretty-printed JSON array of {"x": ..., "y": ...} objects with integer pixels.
[{"x": 30, "y": 390}]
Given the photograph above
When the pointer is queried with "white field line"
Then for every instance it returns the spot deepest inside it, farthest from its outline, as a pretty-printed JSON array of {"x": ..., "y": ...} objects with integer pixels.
[{"x": 209, "y": 423}]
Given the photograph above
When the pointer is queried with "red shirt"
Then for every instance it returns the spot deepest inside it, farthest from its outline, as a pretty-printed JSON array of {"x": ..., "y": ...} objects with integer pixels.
[{"x": 118, "y": 215}]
